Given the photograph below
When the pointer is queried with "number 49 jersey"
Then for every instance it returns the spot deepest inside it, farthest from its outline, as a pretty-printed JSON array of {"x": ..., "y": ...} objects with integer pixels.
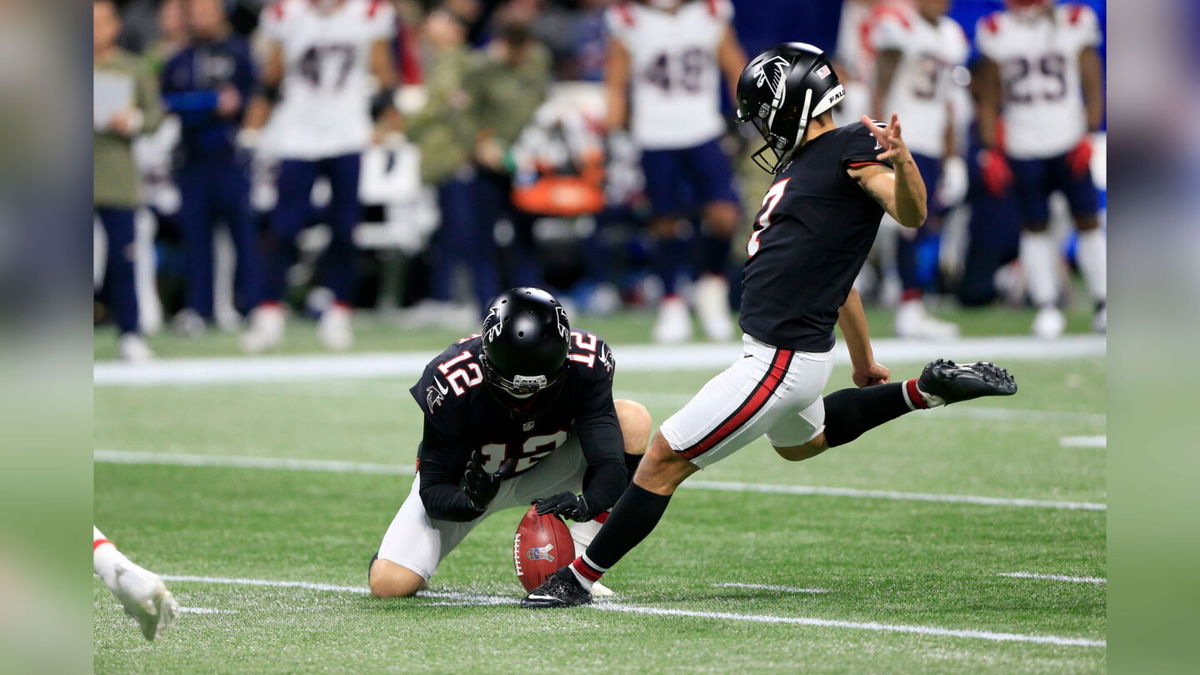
[
  {"x": 462, "y": 416},
  {"x": 325, "y": 106},
  {"x": 673, "y": 74},
  {"x": 1039, "y": 67}
]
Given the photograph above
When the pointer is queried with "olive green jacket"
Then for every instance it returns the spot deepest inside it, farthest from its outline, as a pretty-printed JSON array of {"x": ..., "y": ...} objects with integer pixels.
[
  {"x": 114, "y": 176},
  {"x": 442, "y": 129}
]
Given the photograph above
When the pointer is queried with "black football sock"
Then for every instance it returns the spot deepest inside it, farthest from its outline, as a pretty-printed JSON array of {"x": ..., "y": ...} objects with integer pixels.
[
  {"x": 631, "y": 464},
  {"x": 631, "y": 521},
  {"x": 713, "y": 254},
  {"x": 849, "y": 413}
]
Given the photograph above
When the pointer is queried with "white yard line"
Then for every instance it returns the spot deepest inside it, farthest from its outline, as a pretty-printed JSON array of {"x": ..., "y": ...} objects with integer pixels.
[
  {"x": 633, "y": 358},
  {"x": 1083, "y": 441},
  {"x": 609, "y": 606},
  {"x": 1054, "y": 577},
  {"x": 767, "y": 587},
  {"x": 206, "y": 610},
  {"x": 227, "y": 461}
]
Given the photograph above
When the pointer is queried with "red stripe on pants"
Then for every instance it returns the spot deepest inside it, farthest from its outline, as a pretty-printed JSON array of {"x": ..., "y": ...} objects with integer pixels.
[{"x": 749, "y": 408}]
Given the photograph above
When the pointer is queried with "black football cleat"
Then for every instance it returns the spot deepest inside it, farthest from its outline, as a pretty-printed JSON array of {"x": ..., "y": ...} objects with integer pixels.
[
  {"x": 562, "y": 589},
  {"x": 953, "y": 383}
]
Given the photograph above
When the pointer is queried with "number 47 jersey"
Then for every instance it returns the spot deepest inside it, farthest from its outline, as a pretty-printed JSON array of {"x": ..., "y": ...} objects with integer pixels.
[
  {"x": 673, "y": 74},
  {"x": 462, "y": 416},
  {"x": 326, "y": 93}
]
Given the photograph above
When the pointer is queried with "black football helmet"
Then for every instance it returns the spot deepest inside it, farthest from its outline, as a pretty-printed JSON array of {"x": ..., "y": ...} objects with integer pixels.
[
  {"x": 525, "y": 343},
  {"x": 780, "y": 91}
]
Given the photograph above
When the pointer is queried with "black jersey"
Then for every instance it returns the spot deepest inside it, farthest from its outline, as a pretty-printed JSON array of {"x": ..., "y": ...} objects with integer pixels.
[
  {"x": 810, "y": 240},
  {"x": 463, "y": 417}
]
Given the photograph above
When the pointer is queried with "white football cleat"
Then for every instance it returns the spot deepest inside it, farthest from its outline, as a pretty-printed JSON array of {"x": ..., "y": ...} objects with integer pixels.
[
  {"x": 1100, "y": 320},
  {"x": 335, "y": 330},
  {"x": 1049, "y": 323},
  {"x": 912, "y": 321},
  {"x": 145, "y": 598},
  {"x": 189, "y": 323},
  {"x": 132, "y": 348},
  {"x": 674, "y": 321},
  {"x": 266, "y": 329},
  {"x": 599, "y": 590},
  {"x": 712, "y": 307}
]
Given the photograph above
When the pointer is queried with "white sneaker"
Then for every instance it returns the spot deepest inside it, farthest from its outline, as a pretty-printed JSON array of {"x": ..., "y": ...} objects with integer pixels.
[
  {"x": 1049, "y": 322},
  {"x": 335, "y": 330},
  {"x": 599, "y": 590},
  {"x": 1100, "y": 320},
  {"x": 131, "y": 347},
  {"x": 266, "y": 329},
  {"x": 145, "y": 598},
  {"x": 674, "y": 321},
  {"x": 189, "y": 323},
  {"x": 912, "y": 321},
  {"x": 712, "y": 307}
]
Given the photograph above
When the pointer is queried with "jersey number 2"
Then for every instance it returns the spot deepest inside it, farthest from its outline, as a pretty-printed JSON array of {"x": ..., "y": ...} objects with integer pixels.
[
  {"x": 769, "y": 202},
  {"x": 464, "y": 378}
]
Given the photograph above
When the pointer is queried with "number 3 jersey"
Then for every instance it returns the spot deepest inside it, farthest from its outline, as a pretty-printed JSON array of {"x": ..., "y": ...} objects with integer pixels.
[
  {"x": 810, "y": 240},
  {"x": 1039, "y": 66},
  {"x": 327, "y": 87},
  {"x": 921, "y": 89},
  {"x": 463, "y": 417},
  {"x": 674, "y": 82}
]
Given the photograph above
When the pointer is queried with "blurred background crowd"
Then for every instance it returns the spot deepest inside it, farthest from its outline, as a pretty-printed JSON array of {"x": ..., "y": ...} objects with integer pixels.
[{"x": 260, "y": 162}]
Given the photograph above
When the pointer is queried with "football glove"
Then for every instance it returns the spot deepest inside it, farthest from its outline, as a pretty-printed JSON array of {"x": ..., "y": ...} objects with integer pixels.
[
  {"x": 479, "y": 485},
  {"x": 997, "y": 175},
  {"x": 566, "y": 505},
  {"x": 1080, "y": 157}
]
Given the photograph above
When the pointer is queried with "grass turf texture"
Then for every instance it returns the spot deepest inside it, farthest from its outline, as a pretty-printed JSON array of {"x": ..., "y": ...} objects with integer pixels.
[{"x": 892, "y": 562}]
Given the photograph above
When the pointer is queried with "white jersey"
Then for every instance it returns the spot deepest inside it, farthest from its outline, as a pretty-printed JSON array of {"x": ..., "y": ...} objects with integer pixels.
[
  {"x": 922, "y": 88},
  {"x": 675, "y": 84},
  {"x": 326, "y": 93},
  {"x": 1043, "y": 107}
]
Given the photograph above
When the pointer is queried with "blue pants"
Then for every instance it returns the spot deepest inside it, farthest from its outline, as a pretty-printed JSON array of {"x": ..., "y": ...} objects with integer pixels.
[
  {"x": 916, "y": 258},
  {"x": 680, "y": 181},
  {"x": 1035, "y": 179},
  {"x": 212, "y": 190},
  {"x": 470, "y": 208},
  {"x": 293, "y": 212},
  {"x": 119, "y": 291},
  {"x": 995, "y": 235}
]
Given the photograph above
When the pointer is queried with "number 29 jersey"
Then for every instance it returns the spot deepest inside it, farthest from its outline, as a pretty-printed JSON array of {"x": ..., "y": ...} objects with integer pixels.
[
  {"x": 325, "y": 106},
  {"x": 1039, "y": 67},
  {"x": 462, "y": 416},
  {"x": 810, "y": 240},
  {"x": 675, "y": 86}
]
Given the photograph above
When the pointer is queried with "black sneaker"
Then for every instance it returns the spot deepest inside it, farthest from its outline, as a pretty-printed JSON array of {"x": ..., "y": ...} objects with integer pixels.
[
  {"x": 562, "y": 589},
  {"x": 953, "y": 383}
]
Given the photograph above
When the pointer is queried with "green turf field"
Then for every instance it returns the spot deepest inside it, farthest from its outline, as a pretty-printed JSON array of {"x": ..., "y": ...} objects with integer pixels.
[{"x": 906, "y": 584}]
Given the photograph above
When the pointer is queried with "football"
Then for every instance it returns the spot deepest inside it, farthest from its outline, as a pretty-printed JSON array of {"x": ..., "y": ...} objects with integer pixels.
[{"x": 541, "y": 545}]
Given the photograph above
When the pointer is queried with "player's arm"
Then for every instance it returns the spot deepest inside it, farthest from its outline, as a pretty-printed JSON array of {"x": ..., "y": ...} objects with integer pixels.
[
  {"x": 886, "y": 64},
  {"x": 1093, "y": 87},
  {"x": 988, "y": 93},
  {"x": 616, "y": 84},
  {"x": 270, "y": 80},
  {"x": 731, "y": 58},
  {"x": 603, "y": 447},
  {"x": 899, "y": 189},
  {"x": 852, "y": 321},
  {"x": 454, "y": 485}
]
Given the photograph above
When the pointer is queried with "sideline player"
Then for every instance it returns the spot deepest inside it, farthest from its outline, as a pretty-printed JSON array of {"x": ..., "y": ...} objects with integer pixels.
[
  {"x": 669, "y": 55},
  {"x": 1041, "y": 72},
  {"x": 522, "y": 412},
  {"x": 814, "y": 231},
  {"x": 321, "y": 59},
  {"x": 917, "y": 49},
  {"x": 142, "y": 592}
]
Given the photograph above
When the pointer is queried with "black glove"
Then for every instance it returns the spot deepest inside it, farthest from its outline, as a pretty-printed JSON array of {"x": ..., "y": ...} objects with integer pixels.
[
  {"x": 567, "y": 505},
  {"x": 479, "y": 485}
]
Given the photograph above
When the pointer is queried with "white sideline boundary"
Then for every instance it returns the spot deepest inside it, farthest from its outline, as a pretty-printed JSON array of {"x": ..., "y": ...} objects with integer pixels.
[
  {"x": 609, "y": 606},
  {"x": 332, "y": 466},
  {"x": 1083, "y": 441},
  {"x": 637, "y": 358},
  {"x": 768, "y": 587},
  {"x": 1054, "y": 577}
]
